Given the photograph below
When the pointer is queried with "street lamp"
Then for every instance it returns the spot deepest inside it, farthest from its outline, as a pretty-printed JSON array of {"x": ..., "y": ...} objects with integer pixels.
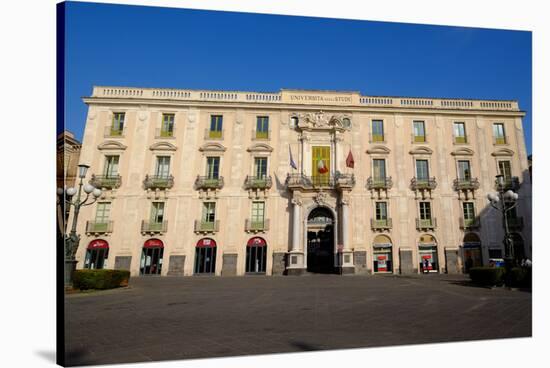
[
  {"x": 504, "y": 201},
  {"x": 72, "y": 239}
]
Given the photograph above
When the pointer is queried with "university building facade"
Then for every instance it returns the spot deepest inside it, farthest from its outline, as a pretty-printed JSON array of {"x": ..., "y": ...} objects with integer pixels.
[{"x": 233, "y": 183}]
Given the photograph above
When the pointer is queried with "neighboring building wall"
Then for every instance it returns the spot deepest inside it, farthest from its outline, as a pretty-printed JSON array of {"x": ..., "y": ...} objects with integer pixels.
[
  {"x": 139, "y": 145},
  {"x": 67, "y": 158}
]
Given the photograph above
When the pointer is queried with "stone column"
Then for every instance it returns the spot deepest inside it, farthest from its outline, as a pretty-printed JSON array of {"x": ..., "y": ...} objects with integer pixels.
[
  {"x": 346, "y": 261},
  {"x": 295, "y": 261}
]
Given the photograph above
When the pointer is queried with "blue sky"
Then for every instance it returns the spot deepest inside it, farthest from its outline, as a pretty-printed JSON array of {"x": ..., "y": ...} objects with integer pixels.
[{"x": 122, "y": 45}]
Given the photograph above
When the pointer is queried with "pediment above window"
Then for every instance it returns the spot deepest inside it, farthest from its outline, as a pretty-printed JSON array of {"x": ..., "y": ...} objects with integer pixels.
[
  {"x": 162, "y": 146},
  {"x": 111, "y": 145},
  {"x": 260, "y": 147},
  {"x": 462, "y": 152},
  {"x": 423, "y": 150},
  {"x": 380, "y": 150},
  {"x": 212, "y": 147},
  {"x": 503, "y": 152}
]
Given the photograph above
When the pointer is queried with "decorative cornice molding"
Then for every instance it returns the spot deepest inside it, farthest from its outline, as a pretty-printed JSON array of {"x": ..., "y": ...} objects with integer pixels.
[
  {"x": 212, "y": 147},
  {"x": 381, "y": 150},
  {"x": 260, "y": 147},
  {"x": 162, "y": 146},
  {"x": 111, "y": 145},
  {"x": 423, "y": 150},
  {"x": 463, "y": 152},
  {"x": 503, "y": 152}
]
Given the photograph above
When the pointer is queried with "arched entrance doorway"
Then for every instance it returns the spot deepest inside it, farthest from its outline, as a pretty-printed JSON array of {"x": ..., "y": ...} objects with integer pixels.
[
  {"x": 205, "y": 256},
  {"x": 96, "y": 254},
  {"x": 472, "y": 251},
  {"x": 151, "y": 257},
  {"x": 382, "y": 254},
  {"x": 256, "y": 255},
  {"x": 427, "y": 254},
  {"x": 519, "y": 250},
  {"x": 320, "y": 241}
]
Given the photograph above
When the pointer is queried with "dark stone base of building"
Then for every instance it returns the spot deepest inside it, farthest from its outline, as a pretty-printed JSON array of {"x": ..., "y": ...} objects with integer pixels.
[
  {"x": 406, "y": 262},
  {"x": 279, "y": 265},
  {"x": 296, "y": 271},
  {"x": 176, "y": 265},
  {"x": 229, "y": 265},
  {"x": 346, "y": 270},
  {"x": 451, "y": 260},
  {"x": 123, "y": 262},
  {"x": 360, "y": 258}
]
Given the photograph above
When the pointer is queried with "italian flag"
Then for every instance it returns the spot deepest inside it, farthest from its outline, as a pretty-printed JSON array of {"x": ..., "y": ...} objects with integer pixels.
[{"x": 321, "y": 167}]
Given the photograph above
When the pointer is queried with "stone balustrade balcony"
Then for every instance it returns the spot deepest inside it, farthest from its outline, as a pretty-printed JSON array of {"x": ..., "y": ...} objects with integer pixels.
[
  {"x": 154, "y": 182},
  {"x": 209, "y": 183},
  {"x": 97, "y": 228},
  {"x": 510, "y": 183},
  {"x": 379, "y": 183},
  {"x": 106, "y": 181},
  {"x": 254, "y": 182},
  {"x": 254, "y": 226},
  {"x": 383, "y": 224},
  {"x": 466, "y": 184},
  {"x": 423, "y": 183},
  {"x": 152, "y": 227},
  {"x": 426, "y": 224},
  {"x": 466, "y": 224},
  {"x": 207, "y": 227}
]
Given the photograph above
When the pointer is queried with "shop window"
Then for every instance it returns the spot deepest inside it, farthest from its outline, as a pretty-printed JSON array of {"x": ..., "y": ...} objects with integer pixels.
[{"x": 256, "y": 255}]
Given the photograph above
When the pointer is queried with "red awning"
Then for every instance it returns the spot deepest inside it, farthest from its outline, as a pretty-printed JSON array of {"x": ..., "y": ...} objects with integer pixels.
[
  {"x": 206, "y": 243},
  {"x": 153, "y": 243},
  {"x": 256, "y": 242},
  {"x": 98, "y": 244}
]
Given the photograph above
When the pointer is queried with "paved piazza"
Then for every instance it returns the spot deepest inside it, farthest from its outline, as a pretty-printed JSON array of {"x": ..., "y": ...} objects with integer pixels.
[{"x": 198, "y": 317}]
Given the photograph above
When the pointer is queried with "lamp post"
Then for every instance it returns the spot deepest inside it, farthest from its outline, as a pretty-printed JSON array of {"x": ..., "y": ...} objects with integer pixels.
[
  {"x": 504, "y": 201},
  {"x": 72, "y": 239}
]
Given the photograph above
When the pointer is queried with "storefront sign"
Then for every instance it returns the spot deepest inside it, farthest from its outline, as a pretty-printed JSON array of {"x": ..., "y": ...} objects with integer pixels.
[
  {"x": 255, "y": 242},
  {"x": 382, "y": 245},
  {"x": 98, "y": 244},
  {"x": 206, "y": 243},
  {"x": 153, "y": 243},
  {"x": 382, "y": 263}
]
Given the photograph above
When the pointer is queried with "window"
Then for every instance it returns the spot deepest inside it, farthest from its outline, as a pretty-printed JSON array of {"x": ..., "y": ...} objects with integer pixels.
[
  {"x": 262, "y": 127},
  {"x": 464, "y": 173},
  {"x": 495, "y": 253},
  {"x": 379, "y": 169},
  {"x": 157, "y": 213},
  {"x": 381, "y": 211},
  {"x": 258, "y": 209},
  {"x": 460, "y": 132},
  {"x": 111, "y": 166},
  {"x": 469, "y": 212},
  {"x": 377, "y": 131},
  {"x": 256, "y": 256},
  {"x": 209, "y": 212},
  {"x": 425, "y": 211},
  {"x": 118, "y": 124},
  {"x": 212, "y": 167},
  {"x": 499, "y": 134},
  {"x": 163, "y": 167},
  {"x": 167, "y": 127},
  {"x": 293, "y": 122},
  {"x": 102, "y": 212},
  {"x": 96, "y": 258},
  {"x": 216, "y": 126},
  {"x": 260, "y": 167},
  {"x": 505, "y": 169},
  {"x": 422, "y": 173},
  {"x": 419, "y": 132}
]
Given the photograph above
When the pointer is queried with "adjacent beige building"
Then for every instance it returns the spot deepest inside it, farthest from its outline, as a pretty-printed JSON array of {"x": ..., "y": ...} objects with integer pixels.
[{"x": 232, "y": 183}]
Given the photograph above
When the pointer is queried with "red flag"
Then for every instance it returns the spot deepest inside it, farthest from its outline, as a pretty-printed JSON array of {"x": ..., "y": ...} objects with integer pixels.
[
  {"x": 321, "y": 167},
  {"x": 349, "y": 160}
]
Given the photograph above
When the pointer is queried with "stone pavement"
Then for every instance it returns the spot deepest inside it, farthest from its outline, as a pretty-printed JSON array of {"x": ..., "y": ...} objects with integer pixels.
[{"x": 167, "y": 318}]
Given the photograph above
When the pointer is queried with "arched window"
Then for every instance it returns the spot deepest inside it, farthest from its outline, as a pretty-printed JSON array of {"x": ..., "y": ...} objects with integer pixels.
[
  {"x": 151, "y": 257},
  {"x": 205, "y": 256},
  {"x": 96, "y": 254},
  {"x": 256, "y": 255}
]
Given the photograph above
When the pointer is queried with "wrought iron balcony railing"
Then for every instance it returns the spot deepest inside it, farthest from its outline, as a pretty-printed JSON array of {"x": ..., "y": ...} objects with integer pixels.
[
  {"x": 376, "y": 138},
  {"x": 213, "y": 134},
  {"x": 384, "y": 224},
  {"x": 419, "y": 138},
  {"x": 340, "y": 181},
  {"x": 158, "y": 181},
  {"x": 511, "y": 183},
  {"x": 515, "y": 223},
  {"x": 261, "y": 135},
  {"x": 466, "y": 184},
  {"x": 113, "y": 131},
  {"x": 207, "y": 226},
  {"x": 154, "y": 227},
  {"x": 469, "y": 223},
  {"x": 255, "y": 226},
  {"x": 460, "y": 139},
  {"x": 379, "y": 183},
  {"x": 207, "y": 182},
  {"x": 423, "y": 183},
  {"x": 426, "y": 224},
  {"x": 500, "y": 140},
  {"x": 165, "y": 133},
  {"x": 93, "y": 227},
  {"x": 253, "y": 182},
  {"x": 106, "y": 181}
]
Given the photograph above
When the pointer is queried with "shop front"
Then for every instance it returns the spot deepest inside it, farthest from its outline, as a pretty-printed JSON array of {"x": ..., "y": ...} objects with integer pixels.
[
  {"x": 205, "y": 257},
  {"x": 472, "y": 251},
  {"x": 151, "y": 257},
  {"x": 427, "y": 254},
  {"x": 96, "y": 254},
  {"x": 382, "y": 255},
  {"x": 256, "y": 255}
]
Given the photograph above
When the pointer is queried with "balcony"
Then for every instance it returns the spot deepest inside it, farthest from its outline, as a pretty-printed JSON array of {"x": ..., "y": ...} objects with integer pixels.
[
  {"x": 423, "y": 183},
  {"x": 258, "y": 135},
  {"x": 379, "y": 183},
  {"x": 300, "y": 181},
  {"x": 106, "y": 181},
  {"x": 381, "y": 225},
  {"x": 114, "y": 132},
  {"x": 419, "y": 138},
  {"x": 213, "y": 134},
  {"x": 207, "y": 226},
  {"x": 466, "y": 184},
  {"x": 426, "y": 224},
  {"x": 498, "y": 141},
  {"x": 256, "y": 226},
  {"x": 253, "y": 182},
  {"x": 206, "y": 182},
  {"x": 149, "y": 227},
  {"x": 515, "y": 223},
  {"x": 469, "y": 223},
  {"x": 154, "y": 182},
  {"x": 511, "y": 183},
  {"x": 164, "y": 133},
  {"x": 96, "y": 228}
]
